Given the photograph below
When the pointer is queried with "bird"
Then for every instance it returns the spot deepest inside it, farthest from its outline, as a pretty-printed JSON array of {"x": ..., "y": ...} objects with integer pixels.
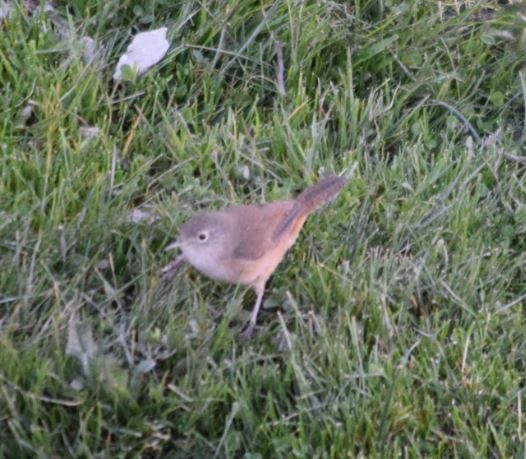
[{"x": 244, "y": 244}]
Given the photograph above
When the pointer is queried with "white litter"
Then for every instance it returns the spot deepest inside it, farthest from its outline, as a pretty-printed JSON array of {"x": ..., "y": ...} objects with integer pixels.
[{"x": 145, "y": 50}]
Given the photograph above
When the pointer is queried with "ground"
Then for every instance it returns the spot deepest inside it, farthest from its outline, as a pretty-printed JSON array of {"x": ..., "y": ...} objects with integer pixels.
[{"x": 395, "y": 325}]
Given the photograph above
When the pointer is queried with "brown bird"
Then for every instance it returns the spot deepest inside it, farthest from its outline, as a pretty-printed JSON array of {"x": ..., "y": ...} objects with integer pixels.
[{"x": 245, "y": 244}]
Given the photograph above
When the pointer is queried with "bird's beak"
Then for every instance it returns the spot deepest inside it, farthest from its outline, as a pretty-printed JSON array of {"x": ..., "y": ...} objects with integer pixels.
[{"x": 174, "y": 245}]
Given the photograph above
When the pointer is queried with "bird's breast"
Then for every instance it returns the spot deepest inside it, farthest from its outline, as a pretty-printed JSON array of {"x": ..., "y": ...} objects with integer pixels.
[{"x": 211, "y": 264}]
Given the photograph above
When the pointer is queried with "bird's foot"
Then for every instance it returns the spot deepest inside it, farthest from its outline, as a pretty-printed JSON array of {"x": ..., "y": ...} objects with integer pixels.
[
  {"x": 168, "y": 272},
  {"x": 247, "y": 333}
]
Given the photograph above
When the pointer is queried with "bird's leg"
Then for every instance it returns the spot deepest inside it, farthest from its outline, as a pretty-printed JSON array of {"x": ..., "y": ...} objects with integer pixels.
[{"x": 249, "y": 330}]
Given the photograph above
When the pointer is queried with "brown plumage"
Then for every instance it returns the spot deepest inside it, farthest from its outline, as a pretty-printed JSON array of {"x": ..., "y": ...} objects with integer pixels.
[{"x": 245, "y": 244}]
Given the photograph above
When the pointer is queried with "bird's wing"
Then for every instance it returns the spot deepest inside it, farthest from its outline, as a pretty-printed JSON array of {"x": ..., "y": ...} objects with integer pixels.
[{"x": 256, "y": 227}]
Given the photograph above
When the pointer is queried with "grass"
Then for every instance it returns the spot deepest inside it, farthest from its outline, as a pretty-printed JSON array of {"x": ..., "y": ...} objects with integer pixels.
[{"x": 394, "y": 327}]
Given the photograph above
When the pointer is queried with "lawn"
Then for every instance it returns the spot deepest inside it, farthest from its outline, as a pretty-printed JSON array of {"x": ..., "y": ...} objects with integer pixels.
[{"x": 393, "y": 328}]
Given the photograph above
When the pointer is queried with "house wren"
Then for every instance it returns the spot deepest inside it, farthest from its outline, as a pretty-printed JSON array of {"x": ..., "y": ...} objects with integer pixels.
[{"x": 245, "y": 244}]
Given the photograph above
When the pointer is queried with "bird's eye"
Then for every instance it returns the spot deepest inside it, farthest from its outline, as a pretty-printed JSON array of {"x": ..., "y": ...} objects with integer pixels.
[{"x": 202, "y": 237}]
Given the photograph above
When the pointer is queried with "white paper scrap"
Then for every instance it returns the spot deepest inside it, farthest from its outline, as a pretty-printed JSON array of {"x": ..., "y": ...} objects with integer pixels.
[{"x": 145, "y": 50}]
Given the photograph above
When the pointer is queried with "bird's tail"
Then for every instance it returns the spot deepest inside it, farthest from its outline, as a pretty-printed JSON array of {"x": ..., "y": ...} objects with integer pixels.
[
  {"x": 309, "y": 200},
  {"x": 314, "y": 196}
]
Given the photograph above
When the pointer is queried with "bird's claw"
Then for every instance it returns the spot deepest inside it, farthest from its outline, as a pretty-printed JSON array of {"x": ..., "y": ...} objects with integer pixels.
[
  {"x": 247, "y": 333},
  {"x": 168, "y": 272}
]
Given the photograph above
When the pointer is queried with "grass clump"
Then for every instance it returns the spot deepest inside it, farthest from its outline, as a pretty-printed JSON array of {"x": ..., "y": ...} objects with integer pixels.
[{"x": 393, "y": 328}]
